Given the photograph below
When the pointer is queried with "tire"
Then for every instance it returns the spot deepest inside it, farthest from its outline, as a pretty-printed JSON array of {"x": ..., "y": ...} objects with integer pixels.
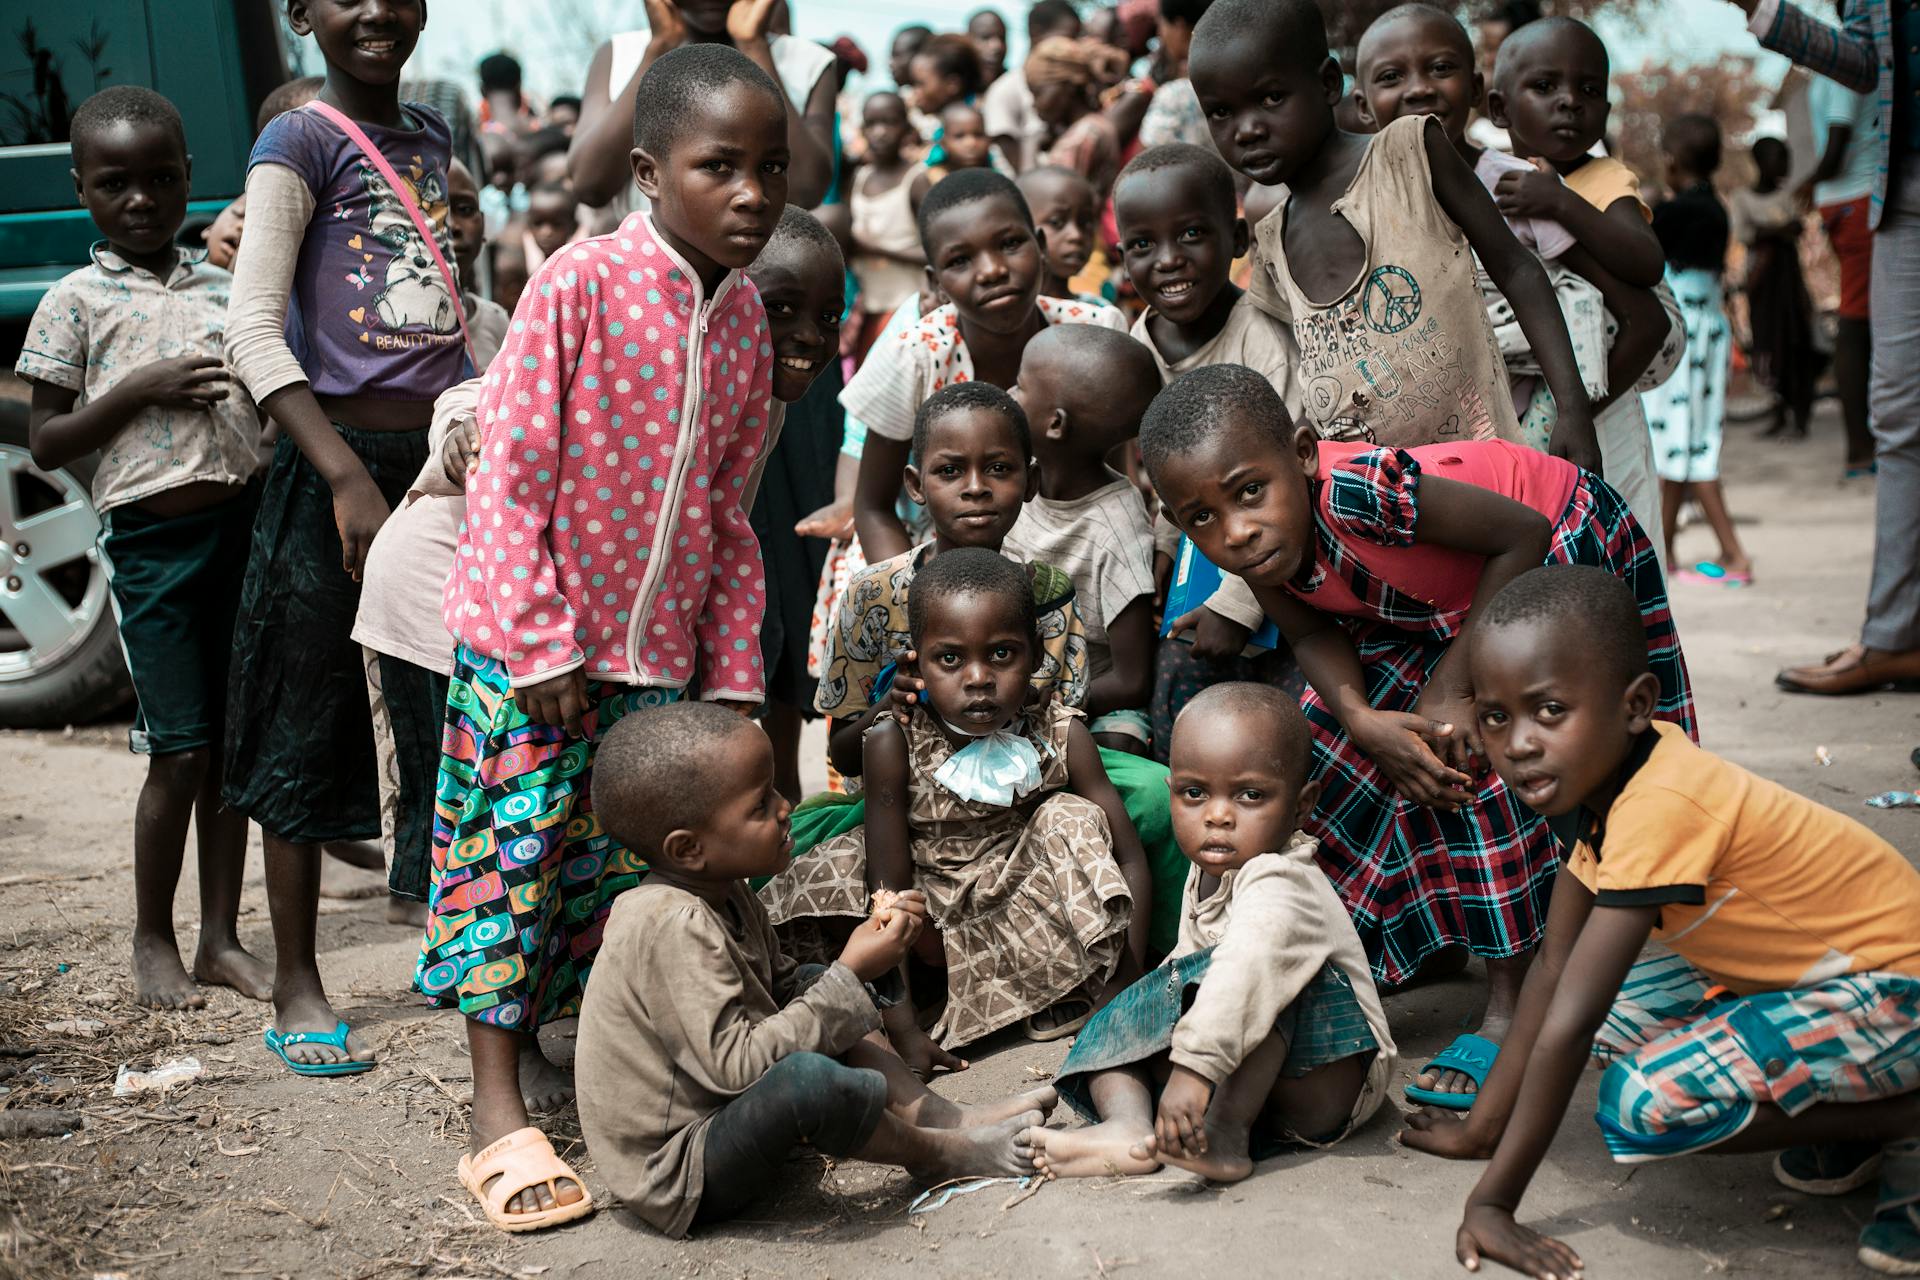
[{"x": 72, "y": 671}]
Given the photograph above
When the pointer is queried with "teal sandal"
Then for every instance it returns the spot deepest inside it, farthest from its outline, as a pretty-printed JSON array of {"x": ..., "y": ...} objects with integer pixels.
[
  {"x": 1472, "y": 1056},
  {"x": 279, "y": 1042}
]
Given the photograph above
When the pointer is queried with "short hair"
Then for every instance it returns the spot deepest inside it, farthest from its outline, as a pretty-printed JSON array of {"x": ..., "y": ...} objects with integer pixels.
[
  {"x": 1693, "y": 139},
  {"x": 965, "y": 397},
  {"x": 1515, "y": 13},
  {"x": 1110, "y": 377},
  {"x": 1576, "y": 600},
  {"x": 880, "y": 95},
  {"x": 550, "y": 189},
  {"x": 916, "y": 32},
  {"x": 955, "y": 55},
  {"x": 1192, "y": 408},
  {"x": 1530, "y": 34},
  {"x": 286, "y": 97},
  {"x": 1772, "y": 146},
  {"x": 1187, "y": 11},
  {"x": 565, "y": 100},
  {"x": 967, "y": 186},
  {"x": 1417, "y": 9},
  {"x": 124, "y": 104},
  {"x": 657, "y": 771},
  {"x": 987, "y": 11},
  {"x": 679, "y": 81},
  {"x": 500, "y": 71},
  {"x": 1048, "y": 16},
  {"x": 966, "y": 571},
  {"x": 1291, "y": 29},
  {"x": 1212, "y": 180},
  {"x": 1275, "y": 707},
  {"x": 798, "y": 231}
]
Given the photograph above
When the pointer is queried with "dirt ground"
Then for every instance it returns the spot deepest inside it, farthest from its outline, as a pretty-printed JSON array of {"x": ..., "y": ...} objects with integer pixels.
[{"x": 249, "y": 1171}]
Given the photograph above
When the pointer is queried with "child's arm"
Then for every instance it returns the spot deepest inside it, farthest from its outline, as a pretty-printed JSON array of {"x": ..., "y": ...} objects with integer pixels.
[
  {"x": 835, "y": 520},
  {"x": 58, "y": 433},
  {"x": 729, "y": 673},
  {"x": 809, "y": 132},
  {"x": 1643, "y": 324},
  {"x": 1130, "y": 681},
  {"x": 1618, "y": 236},
  {"x": 1087, "y": 778},
  {"x": 876, "y": 489},
  {"x": 1523, "y": 280},
  {"x": 598, "y": 158},
  {"x": 889, "y": 840}
]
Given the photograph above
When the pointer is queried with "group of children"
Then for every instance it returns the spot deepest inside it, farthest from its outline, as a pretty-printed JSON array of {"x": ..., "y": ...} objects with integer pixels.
[{"x": 1410, "y": 448}]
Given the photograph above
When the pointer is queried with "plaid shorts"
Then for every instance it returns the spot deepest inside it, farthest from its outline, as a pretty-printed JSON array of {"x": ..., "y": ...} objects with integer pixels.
[{"x": 1688, "y": 1062}]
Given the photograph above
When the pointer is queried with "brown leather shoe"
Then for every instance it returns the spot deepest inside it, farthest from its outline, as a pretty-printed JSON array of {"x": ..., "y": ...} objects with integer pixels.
[{"x": 1855, "y": 669}]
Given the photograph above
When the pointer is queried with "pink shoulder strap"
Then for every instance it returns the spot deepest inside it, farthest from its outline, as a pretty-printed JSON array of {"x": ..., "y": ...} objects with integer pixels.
[{"x": 420, "y": 224}]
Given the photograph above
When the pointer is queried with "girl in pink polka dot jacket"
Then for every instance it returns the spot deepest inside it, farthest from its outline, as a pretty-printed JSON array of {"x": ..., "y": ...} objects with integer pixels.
[{"x": 606, "y": 566}]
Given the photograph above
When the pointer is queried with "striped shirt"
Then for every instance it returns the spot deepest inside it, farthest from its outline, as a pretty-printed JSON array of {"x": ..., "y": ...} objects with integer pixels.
[{"x": 1104, "y": 542}]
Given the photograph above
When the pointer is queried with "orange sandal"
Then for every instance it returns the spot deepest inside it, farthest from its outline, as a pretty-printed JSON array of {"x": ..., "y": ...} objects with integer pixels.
[{"x": 522, "y": 1159}]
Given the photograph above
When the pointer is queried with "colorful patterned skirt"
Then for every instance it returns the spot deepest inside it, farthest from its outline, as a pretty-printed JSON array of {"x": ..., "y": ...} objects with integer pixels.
[
  {"x": 1416, "y": 879},
  {"x": 523, "y": 876}
]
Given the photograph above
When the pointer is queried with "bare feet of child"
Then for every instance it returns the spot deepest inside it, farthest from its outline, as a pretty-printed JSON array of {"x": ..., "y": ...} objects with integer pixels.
[
  {"x": 936, "y": 1112},
  {"x": 229, "y": 964},
  {"x": 998, "y": 1151},
  {"x": 1105, "y": 1150},
  {"x": 544, "y": 1086},
  {"x": 352, "y": 869},
  {"x": 1225, "y": 1158},
  {"x": 405, "y": 911},
  {"x": 160, "y": 981}
]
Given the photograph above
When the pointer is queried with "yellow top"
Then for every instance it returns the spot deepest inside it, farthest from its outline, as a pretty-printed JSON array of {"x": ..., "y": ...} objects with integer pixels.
[{"x": 1602, "y": 180}]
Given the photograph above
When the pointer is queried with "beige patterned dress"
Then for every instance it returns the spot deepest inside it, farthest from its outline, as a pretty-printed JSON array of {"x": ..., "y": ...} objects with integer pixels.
[{"x": 1029, "y": 901}]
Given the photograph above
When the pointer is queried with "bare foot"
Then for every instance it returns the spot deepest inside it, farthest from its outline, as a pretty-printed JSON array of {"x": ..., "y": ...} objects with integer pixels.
[
  {"x": 1106, "y": 1150},
  {"x": 994, "y": 1151},
  {"x": 160, "y": 981},
  {"x": 342, "y": 880},
  {"x": 363, "y": 854},
  {"x": 544, "y": 1086},
  {"x": 1224, "y": 1160},
  {"x": 312, "y": 1012},
  {"x": 231, "y": 965},
  {"x": 405, "y": 911},
  {"x": 936, "y": 1112}
]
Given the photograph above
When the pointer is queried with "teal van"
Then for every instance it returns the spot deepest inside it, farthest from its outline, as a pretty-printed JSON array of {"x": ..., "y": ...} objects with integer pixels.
[{"x": 214, "y": 59}]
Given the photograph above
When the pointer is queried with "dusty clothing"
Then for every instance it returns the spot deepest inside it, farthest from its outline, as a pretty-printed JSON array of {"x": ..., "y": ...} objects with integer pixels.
[
  {"x": 1250, "y": 337},
  {"x": 1104, "y": 542},
  {"x": 1406, "y": 355},
  {"x": 1028, "y": 899},
  {"x": 694, "y": 1005}
]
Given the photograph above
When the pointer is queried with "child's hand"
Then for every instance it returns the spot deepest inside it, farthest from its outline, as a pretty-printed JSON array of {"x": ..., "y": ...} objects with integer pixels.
[
  {"x": 1573, "y": 438},
  {"x": 1530, "y": 195},
  {"x": 1214, "y": 638},
  {"x": 1180, "y": 1128},
  {"x": 184, "y": 382},
  {"x": 877, "y": 948},
  {"x": 1397, "y": 742},
  {"x": 747, "y": 20},
  {"x": 359, "y": 509},
  {"x": 1487, "y": 1232},
  {"x": 1459, "y": 747},
  {"x": 906, "y": 692},
  {"x": 1447, "y": 1134},
  {"x": 833, "y": 521},
  {"x": 665, "y": 27},
  {"x": 560, "y": 701},
  {"x": 460, "y": 452}
]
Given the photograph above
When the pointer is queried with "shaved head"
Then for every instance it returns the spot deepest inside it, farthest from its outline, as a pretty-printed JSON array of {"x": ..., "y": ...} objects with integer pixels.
[{"x": 1266, "y": 722}]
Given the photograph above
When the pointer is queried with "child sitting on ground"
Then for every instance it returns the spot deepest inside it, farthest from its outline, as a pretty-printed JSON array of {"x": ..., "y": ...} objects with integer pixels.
[
  {"x": 1786, "y": 1015},
  {"x": 1367, "y": 258},
  {"x": 569, "y": 627},
  {"x": 707, "y": 1055},
  {"x": 177, "y": 438},
  {"x": 983, "y": 254},
  {"x": 1000, "y": 811},
  {"x": 1374, "y": 563},
  {"x": 1067, "y": 218},
  {"x": 1083, "y": 389},
  {"x": 1285, "y": 1037}
]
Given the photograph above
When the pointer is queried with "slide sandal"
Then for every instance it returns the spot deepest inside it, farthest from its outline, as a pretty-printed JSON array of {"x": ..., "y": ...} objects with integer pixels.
[
  {"x": 279, "y": 1042},
  {"x": 1472, "y": 1056},
  {"x": 523, "y": 1159},
  {"x": 1069, "y": 1014}
]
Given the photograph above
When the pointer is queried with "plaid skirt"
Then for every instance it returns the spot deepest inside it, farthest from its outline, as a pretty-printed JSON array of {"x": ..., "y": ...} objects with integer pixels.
[
  {"x": 1415, "y": 879},
  {"x": 1688, "y": 1063},
  {"x": 523, "y": 876}
]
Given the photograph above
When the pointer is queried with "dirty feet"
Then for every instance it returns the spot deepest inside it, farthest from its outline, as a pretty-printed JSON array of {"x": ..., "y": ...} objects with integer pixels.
[
  {"x": 544, "y": 1086},
  {"x": 1001, "y": 1150},
  {"x": 312, "y": 1012},
  {"x": 1105, "y": 1150},
  {"x": 228, "y": 964},
  {"x": 160, "y": 981},
  {"x": 1224, "y": 1160},
  {"x": 936, "y": 1112}
]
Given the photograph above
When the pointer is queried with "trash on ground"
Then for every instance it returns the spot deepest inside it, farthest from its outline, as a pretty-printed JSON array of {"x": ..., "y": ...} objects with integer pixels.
[
  {"x": 1895, "y": 800},
  {"x": 160, "y": 1079}
]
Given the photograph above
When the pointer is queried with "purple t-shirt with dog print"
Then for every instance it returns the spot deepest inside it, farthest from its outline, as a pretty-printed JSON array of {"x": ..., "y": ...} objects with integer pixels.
[{"x": 370, "y": 313}]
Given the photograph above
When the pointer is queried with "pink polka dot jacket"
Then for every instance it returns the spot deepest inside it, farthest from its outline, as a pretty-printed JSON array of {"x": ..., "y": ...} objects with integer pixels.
[{"x": 606, "y": 528}]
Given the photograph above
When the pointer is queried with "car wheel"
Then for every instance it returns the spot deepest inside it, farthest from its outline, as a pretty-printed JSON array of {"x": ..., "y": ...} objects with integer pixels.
[{"x": 60, "y": 659}]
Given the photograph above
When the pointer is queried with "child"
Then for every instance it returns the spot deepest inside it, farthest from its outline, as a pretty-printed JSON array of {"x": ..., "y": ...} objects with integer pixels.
[
  {"x": 1066, "y": 214},
  {"x": 125, "y": 357},
  {"x": 963, "y": 145},
  {"x": 1286, "y": 1034},
  {"x": 1787, "y": 1014},
  {"x": 553, "y": 223},
  {"x": 1394, "y": 341},
  {"x": 345, "y": 329},
  {"x": 1688, "y": 413},
  {"x": 706, "y": 1055},
  {"x": 944, "y": 70},
  {"x": 1068, "y": 77},
  {"x": 409, "y": 654},
  {"x": 582, "y": 616},
  {"x": 983, "y": 255},
  {"x": 887, "y": 261},
  {"x": 1082, "y": 389},
  {"x": 1002, "y": 815},
  {"x": 1767, "y": 218},
  {"x": 1373, "y": 562}
]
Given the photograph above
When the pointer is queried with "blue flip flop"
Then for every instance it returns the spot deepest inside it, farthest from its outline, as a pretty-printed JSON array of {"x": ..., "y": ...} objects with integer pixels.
[
  {"x": 1472, "y": 1056},
  {"x": 278, "y": 1042}
]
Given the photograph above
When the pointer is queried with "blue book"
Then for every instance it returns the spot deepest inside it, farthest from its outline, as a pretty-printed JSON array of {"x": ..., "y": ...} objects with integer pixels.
[{"x": 1195, "y": 579}]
